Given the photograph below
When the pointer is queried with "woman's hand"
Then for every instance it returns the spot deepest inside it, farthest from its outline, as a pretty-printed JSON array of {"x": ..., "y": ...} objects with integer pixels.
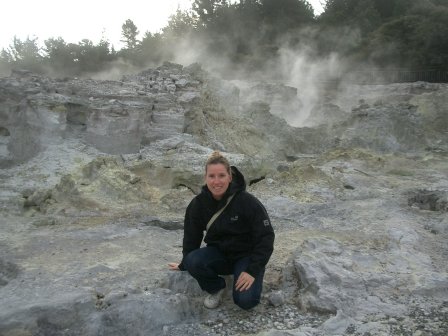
[
  {"x": 174, "y": 266},
  {"x": 244, "y": 282}
]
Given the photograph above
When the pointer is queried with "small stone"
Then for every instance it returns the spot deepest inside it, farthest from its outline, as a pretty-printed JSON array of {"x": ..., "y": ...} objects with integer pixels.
[
  {"x": 290, "y": 324},
  {"x": 276, "y": 298}
]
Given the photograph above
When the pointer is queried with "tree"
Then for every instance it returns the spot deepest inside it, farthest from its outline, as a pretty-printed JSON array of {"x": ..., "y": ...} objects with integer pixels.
[
  {"x": 180, "y": 24},
  {"x": 415, "y": 41},
  {"x": 91, "y": 58},
  {"x": 5, "y": 62},
  {"x": 366, "y": 16},
  {"x": 6, "y": 57},
  {"x": 24, "y": 54},
  {"x": 282, "y": 19},
  {"x": 130, "y": 33},
  {"x": 288, "y": 13},
  {"x": 60, "y": 56},
  {"x": 153, "y": 50},
  {"x": 248, "y": 16},
  {"x": 206, "y": 10}
]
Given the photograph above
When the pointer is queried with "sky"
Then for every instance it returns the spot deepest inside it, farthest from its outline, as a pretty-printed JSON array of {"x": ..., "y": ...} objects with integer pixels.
[{"x": 90, "y": 19}]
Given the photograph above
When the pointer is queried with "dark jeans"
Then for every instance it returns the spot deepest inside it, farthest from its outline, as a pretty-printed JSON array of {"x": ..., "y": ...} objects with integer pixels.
[{"x": 207, "y": 263}]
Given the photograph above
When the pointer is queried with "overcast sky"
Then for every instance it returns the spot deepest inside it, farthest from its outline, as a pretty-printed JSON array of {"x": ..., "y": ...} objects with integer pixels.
[{"x": 91, "y": 19}]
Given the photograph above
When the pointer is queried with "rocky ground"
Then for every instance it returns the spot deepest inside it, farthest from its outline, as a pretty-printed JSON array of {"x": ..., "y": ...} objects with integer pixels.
[{"x": 96, "y": 176}]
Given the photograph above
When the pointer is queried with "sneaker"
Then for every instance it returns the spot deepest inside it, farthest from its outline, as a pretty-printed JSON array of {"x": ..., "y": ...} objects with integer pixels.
[{"x": 213, "y": 300}]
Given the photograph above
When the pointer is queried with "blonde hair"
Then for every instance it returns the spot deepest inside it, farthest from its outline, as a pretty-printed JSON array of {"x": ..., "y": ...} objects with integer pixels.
[{"x": 215, "y": 158}]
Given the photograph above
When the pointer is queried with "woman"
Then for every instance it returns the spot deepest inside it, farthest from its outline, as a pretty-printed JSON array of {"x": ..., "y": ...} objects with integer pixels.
[{"x": 239, "y": 241}]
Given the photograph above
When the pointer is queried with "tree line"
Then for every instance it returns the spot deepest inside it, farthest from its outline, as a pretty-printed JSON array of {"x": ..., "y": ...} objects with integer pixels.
[{"x": 409, "y": 34}]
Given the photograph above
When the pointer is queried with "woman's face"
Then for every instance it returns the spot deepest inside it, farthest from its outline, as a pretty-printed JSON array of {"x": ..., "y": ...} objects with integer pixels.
[{"x": 217, "y": 179}]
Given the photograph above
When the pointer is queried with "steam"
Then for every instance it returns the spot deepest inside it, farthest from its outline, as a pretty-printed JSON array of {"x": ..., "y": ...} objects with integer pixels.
[
  {"x": 117, "y": 70},
  {"x": 5, "y": 69},
  {"x": 297, "y": 67},
  {"x": 310, "y": 76},
  {"x": 190, "y": 50}
]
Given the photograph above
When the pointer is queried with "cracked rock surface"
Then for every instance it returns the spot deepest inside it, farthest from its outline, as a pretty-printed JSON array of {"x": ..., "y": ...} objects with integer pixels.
[{"x": 96, "y": 176}]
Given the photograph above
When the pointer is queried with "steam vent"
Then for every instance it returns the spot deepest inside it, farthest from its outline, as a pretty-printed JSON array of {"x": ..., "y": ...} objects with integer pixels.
[{"x": 96, "y": 176}]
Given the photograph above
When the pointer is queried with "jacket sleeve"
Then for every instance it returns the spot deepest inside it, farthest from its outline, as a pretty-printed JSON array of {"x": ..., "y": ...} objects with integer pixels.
[
  {"x": 264, "y": 236},
  {"x": 193, "y": 231}
]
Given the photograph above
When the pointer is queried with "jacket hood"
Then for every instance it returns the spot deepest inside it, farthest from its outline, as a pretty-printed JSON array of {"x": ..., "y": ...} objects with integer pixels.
[{"x": 238, "y": 183}]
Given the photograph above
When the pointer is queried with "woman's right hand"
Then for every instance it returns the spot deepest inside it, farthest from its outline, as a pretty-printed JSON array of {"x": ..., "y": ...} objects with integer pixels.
[{"x": 174, "y": 266}]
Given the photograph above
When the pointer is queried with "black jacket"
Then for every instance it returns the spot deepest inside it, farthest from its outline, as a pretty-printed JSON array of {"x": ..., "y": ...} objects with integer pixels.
[{"x": 242, "y": 229}]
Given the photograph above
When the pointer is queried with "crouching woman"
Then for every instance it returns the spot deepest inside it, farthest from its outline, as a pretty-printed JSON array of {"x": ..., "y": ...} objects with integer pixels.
[{"x": 239, "y": 237}]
